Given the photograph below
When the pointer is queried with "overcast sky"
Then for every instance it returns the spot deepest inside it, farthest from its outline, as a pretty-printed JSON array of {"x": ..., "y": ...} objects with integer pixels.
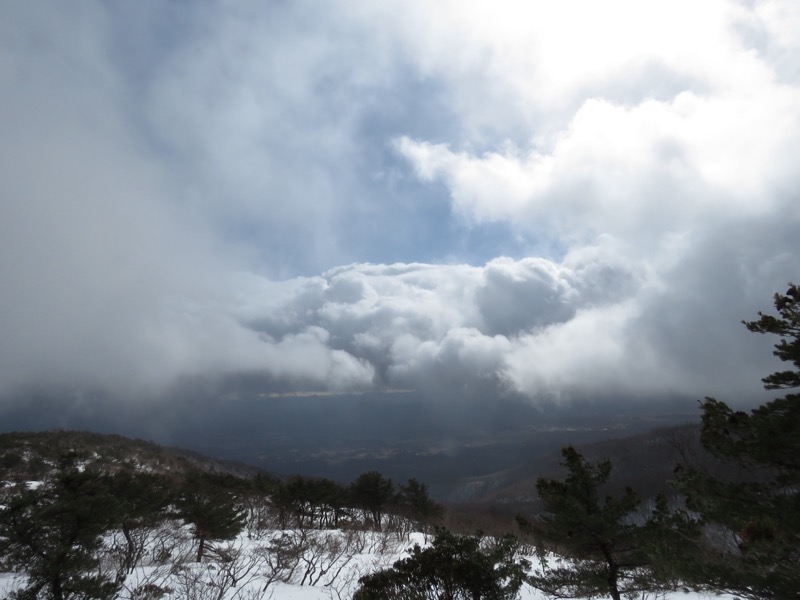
[{"x": 547, "y": 200}]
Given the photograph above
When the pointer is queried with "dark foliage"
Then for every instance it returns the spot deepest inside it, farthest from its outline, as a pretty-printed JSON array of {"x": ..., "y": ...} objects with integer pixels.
[
  {"x": 454, "y": 567},
  {"x": 54, "y": 531},
  {"x": 209, "y": 502},
  {"x": 751, "y": 545},
  {"x": 310, "y": 502},
  {"x": 372, "y": 492},
  {"x": 415, "y": 503},
  {"x": 142, "y": 501},
  {"x": 605, "y": 541}
]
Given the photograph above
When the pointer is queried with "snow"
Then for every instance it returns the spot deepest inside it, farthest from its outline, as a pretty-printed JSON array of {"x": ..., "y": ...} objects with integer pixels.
[{"x": 343, "y": 555}]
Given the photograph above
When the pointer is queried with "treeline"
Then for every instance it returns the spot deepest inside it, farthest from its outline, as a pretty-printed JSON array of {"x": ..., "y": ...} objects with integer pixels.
[{"x": 56, "y": 530}]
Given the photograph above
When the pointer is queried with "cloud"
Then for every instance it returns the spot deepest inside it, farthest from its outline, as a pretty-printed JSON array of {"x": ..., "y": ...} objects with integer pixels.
[
  {"x": 113, "y": 279},
  {"x": 519, "y": 200},
  {"x": 518, "y": 296},
  {"x": 532, "y": 328},
  {"x": 624, "y": 171},
  {"x": 622, "y": 161}
]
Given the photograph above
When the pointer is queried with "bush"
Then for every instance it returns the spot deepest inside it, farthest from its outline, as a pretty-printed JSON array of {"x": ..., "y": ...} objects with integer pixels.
[{"x": 454, "y": 567}]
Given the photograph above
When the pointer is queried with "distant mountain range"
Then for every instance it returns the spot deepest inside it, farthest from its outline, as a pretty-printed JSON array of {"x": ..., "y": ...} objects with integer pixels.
[
  {"x": 644, "y": 460},
  {"x": 444, "y": 440}
]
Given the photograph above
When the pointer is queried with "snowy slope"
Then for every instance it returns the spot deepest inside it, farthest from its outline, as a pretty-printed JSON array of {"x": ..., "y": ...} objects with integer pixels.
[{"x": 271, "y": 565}]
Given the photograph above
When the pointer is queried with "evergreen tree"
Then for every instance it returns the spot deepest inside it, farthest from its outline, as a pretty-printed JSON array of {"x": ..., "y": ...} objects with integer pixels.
[
  {"x": 604, "y": 550},
  {"x": 417, "y": 504},
  {"x": 53, "y": 534},
  {"x": 454, "y": 567},
  {"x": 758, "y": 553},
  {"x": 142, "y": 502},
  {"x": 330, "y": 499},
  {"x": 372, "y": 492},
  {"x": 212, "y": 509},
  {"x": 293, "y": 498},
  {"x": 312, "y": 501}
]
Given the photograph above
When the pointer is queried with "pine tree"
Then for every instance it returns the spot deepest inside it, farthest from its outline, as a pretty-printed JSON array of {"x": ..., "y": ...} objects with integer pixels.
[
  {"x": 603, "y": 548},
  {"x": 372, "y": 492},
  {"x": 330, "y": 499},
  {"x": 453, "y": 567},
  {"x": 53, "y": 534},
  {"x": 142, "y": 502},
  {"x": 758, "y": 515},
  {"x": 417, "y": 504},
  {"x": 211, "y": 508}
]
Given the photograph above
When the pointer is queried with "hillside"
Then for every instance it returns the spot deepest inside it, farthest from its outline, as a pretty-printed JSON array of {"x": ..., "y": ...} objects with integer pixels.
[
  {"x": 29, "y": 456},
  {"x": 142, "y": 522},
  {"x": 644, "y": 461}
]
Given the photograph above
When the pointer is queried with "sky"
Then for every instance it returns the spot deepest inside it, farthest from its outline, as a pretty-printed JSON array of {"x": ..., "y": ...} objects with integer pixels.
[{"x": 533, "y": 200}]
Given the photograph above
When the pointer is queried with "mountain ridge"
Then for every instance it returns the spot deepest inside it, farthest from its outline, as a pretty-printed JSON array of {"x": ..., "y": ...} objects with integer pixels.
[{"x": 27, "y": 455}]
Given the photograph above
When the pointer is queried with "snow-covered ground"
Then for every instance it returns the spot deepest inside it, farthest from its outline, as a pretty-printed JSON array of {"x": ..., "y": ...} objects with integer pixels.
[{"x": 268, "y": 565}]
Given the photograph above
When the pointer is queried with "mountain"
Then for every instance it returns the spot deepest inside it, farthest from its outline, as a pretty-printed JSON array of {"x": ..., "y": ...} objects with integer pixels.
[
  {"x": 436, "y": 438},
  {"x": 644, "y": 461},
  {"x": 29, "y": 456},
  {"x": 404, "y": 435}
]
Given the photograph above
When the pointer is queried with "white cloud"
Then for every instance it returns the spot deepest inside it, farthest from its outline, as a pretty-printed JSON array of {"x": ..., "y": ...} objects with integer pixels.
[
  {"x": 603, "y": 155},
  {"x": 112, "y": 280},
  {"x": 589, "y": 352},
  {"x": 653, "y": 168},
  {"x": 691, "y": 182},
  {"x": 160, "y": 204},
  {"x": 595, "y": 323}
]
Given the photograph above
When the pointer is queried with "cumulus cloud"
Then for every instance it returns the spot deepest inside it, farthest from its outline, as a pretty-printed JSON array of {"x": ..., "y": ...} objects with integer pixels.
[{"x": 543, "y": 330}]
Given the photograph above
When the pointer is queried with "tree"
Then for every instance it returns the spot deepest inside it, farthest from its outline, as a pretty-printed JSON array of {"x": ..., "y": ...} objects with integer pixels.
[
  {"x": 312, "y": 501},
  {"x": 330, "y": 500},
  {"x": 142, "y": 501},
  {"x": 417, "y": 504},
  {"x": 756, "y": 518},
  {"x": 454, "y": 567},
  {"x": 604, "y": 547},
  {"x": 211, "y": 508},
  {"x": 53, "y": 534},
  {"x": 372, "y": 492}
]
